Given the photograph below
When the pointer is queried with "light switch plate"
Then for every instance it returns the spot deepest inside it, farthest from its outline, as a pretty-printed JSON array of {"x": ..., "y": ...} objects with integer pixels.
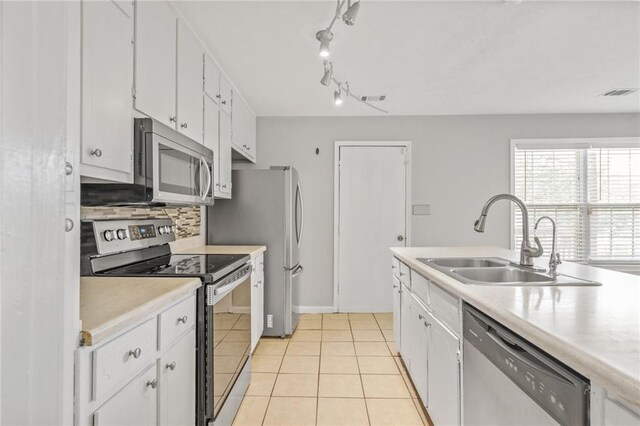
[{"x": 421, "y": 209}]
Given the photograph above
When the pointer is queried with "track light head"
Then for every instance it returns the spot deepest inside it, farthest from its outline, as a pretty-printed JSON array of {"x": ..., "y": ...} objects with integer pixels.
[
  {"x": 349, "y": 17},
  {"x": 328, "y": 74},
  {"x": 337, "y": 97},
  {"x": 325, "y": 37}
]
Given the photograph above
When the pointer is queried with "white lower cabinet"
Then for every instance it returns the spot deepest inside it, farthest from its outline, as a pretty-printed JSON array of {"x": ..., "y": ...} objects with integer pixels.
[
  {"x": 137, "y": 378},
  {"x": 397, "y": 296},
  {"x": 420, "y": 333},
  {"x": 178, "y": 383},
  {"x": 406, "y": 336},
  {"x": 257, "y": 301},
  {"x": 444, "y": 374},
  {"x": 429, "y": 347},
  {"x": 135, "y": 405}
]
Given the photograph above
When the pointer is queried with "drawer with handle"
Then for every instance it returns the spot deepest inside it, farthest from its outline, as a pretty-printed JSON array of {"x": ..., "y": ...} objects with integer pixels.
[
  {"x": 405, "y": 275},
  {"x": 176, "y": 321},
  {"x": 116, "y": 362},
  {"x": 395, "y": 267}
]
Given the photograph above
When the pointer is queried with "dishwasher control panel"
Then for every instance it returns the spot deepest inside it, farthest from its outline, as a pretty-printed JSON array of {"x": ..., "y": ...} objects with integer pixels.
[{"x": 561, "y": 392}]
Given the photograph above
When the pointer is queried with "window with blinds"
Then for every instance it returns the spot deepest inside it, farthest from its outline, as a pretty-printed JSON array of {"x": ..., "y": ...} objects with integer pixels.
[{"x": 591, "y": 191}]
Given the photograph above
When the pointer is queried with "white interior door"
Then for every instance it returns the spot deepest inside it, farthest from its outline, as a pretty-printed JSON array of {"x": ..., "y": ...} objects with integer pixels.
[{"x": 372, "y": 217}]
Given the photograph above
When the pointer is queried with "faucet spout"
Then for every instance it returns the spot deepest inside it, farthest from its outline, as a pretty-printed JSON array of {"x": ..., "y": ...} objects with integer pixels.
[
  {"x": 527, "y": 251},
  {"x": 554, "y": 259}
]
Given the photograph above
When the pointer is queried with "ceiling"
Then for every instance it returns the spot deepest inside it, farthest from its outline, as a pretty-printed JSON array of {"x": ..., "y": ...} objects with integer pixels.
[{"x": 429, "y": 58}]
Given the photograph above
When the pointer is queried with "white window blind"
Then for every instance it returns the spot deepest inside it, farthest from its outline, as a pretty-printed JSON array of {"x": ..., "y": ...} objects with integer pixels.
[{"x": 593, "y": 194}]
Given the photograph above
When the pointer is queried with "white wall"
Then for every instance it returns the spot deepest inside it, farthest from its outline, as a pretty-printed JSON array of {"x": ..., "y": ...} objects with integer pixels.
[{"x": 458, "y": 162}]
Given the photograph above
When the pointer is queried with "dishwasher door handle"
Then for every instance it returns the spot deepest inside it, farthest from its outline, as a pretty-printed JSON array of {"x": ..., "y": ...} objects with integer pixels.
[{"x": 519, "y": 353}]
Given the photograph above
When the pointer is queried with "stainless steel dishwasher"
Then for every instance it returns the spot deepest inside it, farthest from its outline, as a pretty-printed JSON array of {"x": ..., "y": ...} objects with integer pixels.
[{"x": 508, "y": 381}]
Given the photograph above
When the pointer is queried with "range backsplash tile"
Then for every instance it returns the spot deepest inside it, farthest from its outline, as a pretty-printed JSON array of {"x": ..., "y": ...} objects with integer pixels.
[{"x": 185, "y": 219}]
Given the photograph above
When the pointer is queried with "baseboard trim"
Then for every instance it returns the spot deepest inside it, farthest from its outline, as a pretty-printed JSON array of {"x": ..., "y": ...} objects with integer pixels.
[{"x": 314, "y": 309}]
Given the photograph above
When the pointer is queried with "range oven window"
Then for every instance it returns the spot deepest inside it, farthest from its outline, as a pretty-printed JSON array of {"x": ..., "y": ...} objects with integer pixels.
[{"x": 231, "y": 325}]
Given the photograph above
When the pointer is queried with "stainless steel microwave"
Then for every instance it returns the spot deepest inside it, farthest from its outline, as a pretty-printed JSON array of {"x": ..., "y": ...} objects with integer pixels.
[{"x": 168, "y": 169}]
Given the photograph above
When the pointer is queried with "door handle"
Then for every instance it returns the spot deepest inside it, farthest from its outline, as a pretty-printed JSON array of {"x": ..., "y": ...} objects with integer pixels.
[
  {"x": 298, "y": 271},
  {"x": 299, "y": 196},
  {"x": 205, "y": 165},
  {"x": 400, "y": 237}
]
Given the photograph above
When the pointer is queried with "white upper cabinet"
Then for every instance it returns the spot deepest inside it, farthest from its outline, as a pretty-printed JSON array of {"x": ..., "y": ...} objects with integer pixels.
[
  {"x": 107, "y": 79},
  {"x": 225, "y": 155},
  {"x": 225, "y": 97},
  {"x": 155, "y": 77},
  {"x": 238, "y": 121},
  {"x": 250, "y": 133},
  {"x": 211, "y": 79},
  {"x": 212, "y": 139},
  {"x": 244, "y": 129},
  {"x": 190, "y": 84}
]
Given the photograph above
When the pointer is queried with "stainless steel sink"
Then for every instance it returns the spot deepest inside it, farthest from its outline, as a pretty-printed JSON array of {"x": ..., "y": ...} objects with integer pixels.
[
  {"x": 467, "y": 262},
  {"x": 497, "y": 271},
  {"x": 506, "y": 275}
]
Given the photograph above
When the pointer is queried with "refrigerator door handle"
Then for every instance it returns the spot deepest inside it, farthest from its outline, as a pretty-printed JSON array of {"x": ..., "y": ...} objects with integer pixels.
[{"x": 299, "y": 225}]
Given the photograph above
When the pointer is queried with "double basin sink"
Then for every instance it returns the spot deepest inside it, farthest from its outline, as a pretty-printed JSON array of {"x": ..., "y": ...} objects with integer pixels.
[{"x": 496, "y": 271}]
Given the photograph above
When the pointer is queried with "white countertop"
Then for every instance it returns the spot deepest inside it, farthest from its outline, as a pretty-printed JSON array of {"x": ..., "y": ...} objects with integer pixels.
[
  {"x": 594, "y": 330},
  {"x": 253, "y": 251},
  {"x": 108, "y": 305}
]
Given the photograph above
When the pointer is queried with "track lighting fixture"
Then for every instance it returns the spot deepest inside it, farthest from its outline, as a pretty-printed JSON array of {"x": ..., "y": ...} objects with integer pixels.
[
  {"x": 337, "y": 97},
  {"x": 325, "y": 37},
  {"x": 328, "y": 74},
  {"x": 349, "y": 17}
]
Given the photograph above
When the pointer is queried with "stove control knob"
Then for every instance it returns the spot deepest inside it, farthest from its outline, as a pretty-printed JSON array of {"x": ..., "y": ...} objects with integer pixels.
[
  {"x": 109, "y": 235},
  {"x": 162, "y": 230},
  {"x": 169, "y": 229},
  {"x": 122, "y": 234}
]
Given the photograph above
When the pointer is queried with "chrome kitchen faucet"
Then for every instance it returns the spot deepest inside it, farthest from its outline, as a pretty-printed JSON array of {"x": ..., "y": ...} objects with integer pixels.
[{"x": 527, "y": 251}]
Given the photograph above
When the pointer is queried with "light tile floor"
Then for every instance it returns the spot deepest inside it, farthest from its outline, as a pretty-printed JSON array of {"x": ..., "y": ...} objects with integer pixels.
[{"x": 336, "y": 369}]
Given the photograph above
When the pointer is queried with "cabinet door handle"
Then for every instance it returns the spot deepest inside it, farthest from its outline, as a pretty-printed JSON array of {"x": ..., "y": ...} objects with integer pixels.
[
  {"x": 427, "y": 324},
  {"x": 395, "y": 286},
  {"x": 183, "y": 125},
  {"x": 152, "y": 383},
  {"x": 171, "y": 366},
  {"x": 135, "y": 353},
  {"x": 96, "y": 152},
  {"x": 218, "y": 96},
  {"x": 224, "y": 186},
  {"x": 68, "y": 225},
  {"x": 420, "y": 316},
  {"x": 224, "y": 102},
  {"x": 68, "y": 168},
  {"x": 172, "y": 119},
  {"x": 182, "y": 319}
]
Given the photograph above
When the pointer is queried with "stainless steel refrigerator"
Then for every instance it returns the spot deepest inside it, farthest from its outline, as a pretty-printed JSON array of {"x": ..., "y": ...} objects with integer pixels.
[{"x": 266, "y": 209}]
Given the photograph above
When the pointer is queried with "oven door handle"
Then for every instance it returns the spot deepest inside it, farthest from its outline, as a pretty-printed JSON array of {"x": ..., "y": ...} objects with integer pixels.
[{"x": 214, "y": 293}]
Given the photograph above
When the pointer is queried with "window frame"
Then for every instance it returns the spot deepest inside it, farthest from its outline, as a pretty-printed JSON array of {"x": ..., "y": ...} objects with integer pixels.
[{"x": 570, "y": 143}]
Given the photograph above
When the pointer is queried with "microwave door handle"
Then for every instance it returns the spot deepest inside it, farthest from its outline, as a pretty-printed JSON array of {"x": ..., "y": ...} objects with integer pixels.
[{"x": 205, "y": 166}]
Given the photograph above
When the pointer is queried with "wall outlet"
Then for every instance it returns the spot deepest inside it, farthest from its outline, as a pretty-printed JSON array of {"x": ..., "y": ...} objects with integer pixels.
[
  {"x": 421, "y": 209},
  {"x": 269, "y": 321}
]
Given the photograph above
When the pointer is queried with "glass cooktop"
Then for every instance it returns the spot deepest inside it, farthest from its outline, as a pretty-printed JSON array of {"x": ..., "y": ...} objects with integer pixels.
[{"x": 209, "y": 267}]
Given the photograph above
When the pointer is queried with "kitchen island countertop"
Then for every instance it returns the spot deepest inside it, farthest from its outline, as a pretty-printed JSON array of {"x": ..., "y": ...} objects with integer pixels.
[{"x": 594, "y": 330}]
